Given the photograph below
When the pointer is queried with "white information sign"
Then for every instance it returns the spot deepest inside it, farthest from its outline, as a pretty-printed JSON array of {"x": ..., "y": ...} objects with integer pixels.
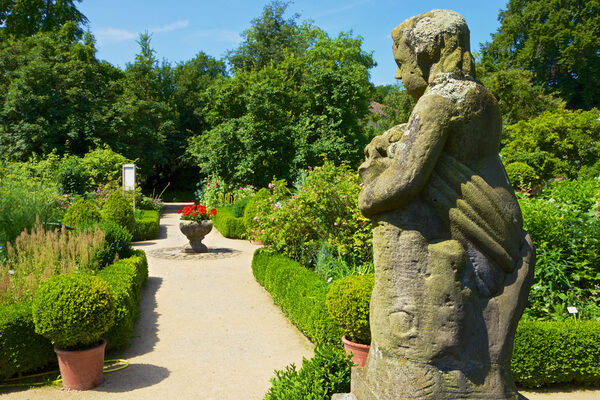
[
  {"x": 128, "y": 176},
  {"x": 572, "y": 310}
]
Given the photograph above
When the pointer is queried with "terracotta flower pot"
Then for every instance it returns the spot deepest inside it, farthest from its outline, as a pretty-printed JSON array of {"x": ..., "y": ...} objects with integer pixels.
[
  {"x": 195, "y": 232},
  {"x": 359, "y": 351},
  {"x": 81, "y": 369}
]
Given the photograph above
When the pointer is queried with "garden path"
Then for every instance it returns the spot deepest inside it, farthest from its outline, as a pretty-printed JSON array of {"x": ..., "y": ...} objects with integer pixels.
[{"x": 207, "y": 330}]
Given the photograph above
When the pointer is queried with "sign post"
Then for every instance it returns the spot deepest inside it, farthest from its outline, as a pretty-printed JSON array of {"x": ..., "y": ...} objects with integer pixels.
[{"x": 129, "y": 179}]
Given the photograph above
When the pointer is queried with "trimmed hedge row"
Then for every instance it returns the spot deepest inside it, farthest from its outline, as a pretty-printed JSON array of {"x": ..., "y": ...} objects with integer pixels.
[
  {"x": 23, "y": 351},
  {"x": 548, "y": 352},
  {"x": 229, "y": 226},
  {"x": 148, "y": 226},
  {"x": 300, "y": 293},
  {"x": 545, "y": 352}
]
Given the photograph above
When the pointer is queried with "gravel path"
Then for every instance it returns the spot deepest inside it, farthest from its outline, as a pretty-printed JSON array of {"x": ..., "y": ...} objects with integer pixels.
[{"x": 207, "y": 330}]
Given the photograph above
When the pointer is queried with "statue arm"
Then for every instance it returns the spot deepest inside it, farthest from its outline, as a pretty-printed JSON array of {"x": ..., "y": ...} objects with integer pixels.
[{"x": 411, "y": 167}]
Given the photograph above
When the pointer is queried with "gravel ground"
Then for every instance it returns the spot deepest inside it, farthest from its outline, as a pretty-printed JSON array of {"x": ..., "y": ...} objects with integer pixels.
[{"x": 207, "y": 330}]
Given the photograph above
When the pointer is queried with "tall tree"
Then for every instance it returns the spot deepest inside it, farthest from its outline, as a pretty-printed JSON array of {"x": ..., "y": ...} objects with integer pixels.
[
  {"x": 27, "y": 17},
  {"x": 557, "y": 40}
]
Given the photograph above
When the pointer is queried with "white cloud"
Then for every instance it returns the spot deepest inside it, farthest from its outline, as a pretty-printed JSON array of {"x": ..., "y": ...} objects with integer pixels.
[
  {"x": 171, "y": 27},
  {"x": 218, "y": 35},
  {"x": 114, "y": 35}
]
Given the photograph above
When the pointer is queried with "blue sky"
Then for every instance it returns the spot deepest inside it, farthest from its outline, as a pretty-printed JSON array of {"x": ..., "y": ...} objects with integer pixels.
[{"x": 180, "y": 29}]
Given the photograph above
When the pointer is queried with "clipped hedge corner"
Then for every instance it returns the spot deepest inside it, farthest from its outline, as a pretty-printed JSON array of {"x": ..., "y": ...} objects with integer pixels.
[
  {"x": 148, "y": 226},
  {"x": 300, "y": 293},
  {"x": 229, "y": 226}
]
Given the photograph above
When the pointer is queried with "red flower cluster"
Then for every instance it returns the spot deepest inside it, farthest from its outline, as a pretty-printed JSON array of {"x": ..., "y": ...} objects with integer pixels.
[{"x": 196, "y": 212}]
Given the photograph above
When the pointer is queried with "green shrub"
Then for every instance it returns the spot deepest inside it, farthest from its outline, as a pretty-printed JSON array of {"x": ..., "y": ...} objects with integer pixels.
[
  {"x": 119, "y": 210},
  {"x": 348, "y": 301},
  {"x": 239, "y": 207},
  {"x": 251, "y": 209},
  {"x": 117, "y": 242},
  {"x": 331, "y": 266},
  {"x": 522, "y": 176},
  {"x": 554, "y": 352},
  {"x": 327, "y": 373},
  {"x": 21, "y": 349},
  {"x": 148, "y": 226},
  {"x": 125, "y": 279},
  {"x": 300, "y": 293},
  {"x": 103, "y": 165},
  {"x": 73, "y": 311},
  {"x": 71, "y": 176},
  {"x": 80, "y": 213},
  {"x": 229, "y": 226}
]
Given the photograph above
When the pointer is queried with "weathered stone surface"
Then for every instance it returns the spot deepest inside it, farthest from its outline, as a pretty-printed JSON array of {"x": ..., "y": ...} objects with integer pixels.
[{"x": 453, "y": 265}]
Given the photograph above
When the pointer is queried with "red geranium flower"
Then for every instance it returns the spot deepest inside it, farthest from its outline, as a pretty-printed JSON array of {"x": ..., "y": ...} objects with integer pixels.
[{"x": 213, "y": 211}]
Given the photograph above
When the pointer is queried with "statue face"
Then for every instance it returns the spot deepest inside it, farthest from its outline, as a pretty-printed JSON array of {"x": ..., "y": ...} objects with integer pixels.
[{"x": 408, "y": 71}]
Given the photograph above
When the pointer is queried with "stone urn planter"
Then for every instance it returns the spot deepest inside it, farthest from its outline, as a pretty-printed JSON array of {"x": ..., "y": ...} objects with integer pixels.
[
  {"x": 359, "y": 351},
  {"x": 81, "y": 369},
  {"x": 195, "y": 232}
]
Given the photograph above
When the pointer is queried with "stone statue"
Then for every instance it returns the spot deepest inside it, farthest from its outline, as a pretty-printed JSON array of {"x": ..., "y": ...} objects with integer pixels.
[{"x": 453, "y": 266}]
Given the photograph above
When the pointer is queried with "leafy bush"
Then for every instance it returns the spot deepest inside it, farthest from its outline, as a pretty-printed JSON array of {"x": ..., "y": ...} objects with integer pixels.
[
  {"x": 119, "y": 210},
  {"x": 239, "y": 207},
  {"x": 80, "y": 213},
  {"x": 73, "y": 311},
  {"x": 117, "y": 242},
  {"x": 325, "y": 209},
  {"x": 331, "y": 266},
  {"x": 148, "y": 226},
  {"x": 125, "y": 279},
  {"x": 228, "y": 225},
  {"x": 38, "y": 255},
  {"x": 348, "y": 301},
  {"x": 103, "y": 165},
  {"x": 21, "y": 349},
  {"x": 327, "y": 373},
  {"x": 554, "y": 352},
  {"x": 300, "y": 293},
  {"x": 252, "y": 209},
  {"x": 21, "y": 199},
  {"x": 567, "y": 239},
  {"x": 71, "y": 176},
  {"x": 522, "y": 176},
  {"x": 562, "y": 143}
]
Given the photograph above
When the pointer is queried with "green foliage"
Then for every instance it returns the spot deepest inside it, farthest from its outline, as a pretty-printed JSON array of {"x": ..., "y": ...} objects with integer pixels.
[
  {"x": 147, "y": 226},
  {"x": 21, "y": 200},
  {"x": 71, "y": 176},
  {"x": 252, "y": 209},
  {"x": 300, "y": 293},
  {"x": 324, "y": 210},
  {"x": 557, "y": 40},
  {"x": 21, "y": 349},
  {"x": 73, "y": 311},
  {"x": 327, "y": 373},
  {"x": 519, "y": 99},
  {"x": 239, "y": 207},
  {"x": 229, "y": 226},
  {"x": 522, "y": 176},
  {"x": 80, "y": 213},
  {"x": 566, "y": 232},
  {"x": 348, "y": 301},
  {"x": 547, "y": 353},
  {"x": 118, "y": 209},
  {"x": 103, "y": 165},
  {"x": 331, "y": 266},
  {"x": 125, "y": 279},
  {"x": 26, "y": 18},
  {"x": 117, "y": 242},
  {"x": 564, "y": 143}
]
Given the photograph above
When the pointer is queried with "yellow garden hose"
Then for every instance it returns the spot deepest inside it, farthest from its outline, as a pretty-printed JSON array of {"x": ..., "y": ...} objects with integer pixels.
[{"x": 109, "y": 366}]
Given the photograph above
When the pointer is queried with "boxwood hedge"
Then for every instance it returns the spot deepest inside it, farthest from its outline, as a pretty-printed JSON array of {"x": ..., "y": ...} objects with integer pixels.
[
  {"x": 229, "y": 226},
  {"x": 148, "y": 226}
]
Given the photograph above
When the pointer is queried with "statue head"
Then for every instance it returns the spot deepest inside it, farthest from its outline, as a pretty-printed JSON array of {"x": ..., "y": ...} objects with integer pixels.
[{"x": 429, "y": 44}]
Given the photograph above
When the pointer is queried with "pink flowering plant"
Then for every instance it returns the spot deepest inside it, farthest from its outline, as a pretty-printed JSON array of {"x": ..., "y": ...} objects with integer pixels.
[{"x": 196, "y": 212}]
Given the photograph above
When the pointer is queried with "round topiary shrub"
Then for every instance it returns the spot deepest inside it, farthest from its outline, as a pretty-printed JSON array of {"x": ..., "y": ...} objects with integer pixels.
[
  {"x": 522, "y": 176},
  {"x": 252, "y": 209},
  {"x": 73, "y": 311},
  {"x": 348, "y": 302},
  {"x": 118, "y": 209},
  {"x": 82, "y": 212},
  {"x": 117, "y": 242}
]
